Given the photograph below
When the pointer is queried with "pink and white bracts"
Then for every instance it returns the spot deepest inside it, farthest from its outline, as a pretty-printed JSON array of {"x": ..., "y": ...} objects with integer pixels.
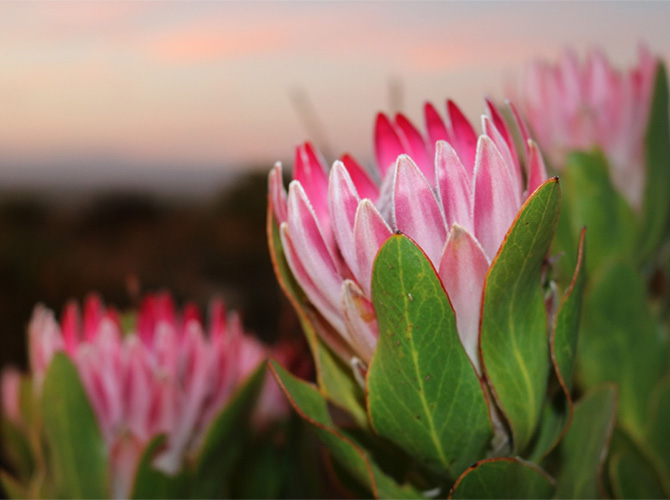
[
  {"x": 166, "y": 375},
  {"x": 573, "y": 106},
  {"x": 454, "y": 193}
]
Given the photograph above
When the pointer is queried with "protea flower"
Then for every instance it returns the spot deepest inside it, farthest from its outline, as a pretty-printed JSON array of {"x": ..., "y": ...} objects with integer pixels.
[
  {"x": 164, "y": 374},
  {"x": 580, "y": 106},
  {"x": 454, "y": 193}
]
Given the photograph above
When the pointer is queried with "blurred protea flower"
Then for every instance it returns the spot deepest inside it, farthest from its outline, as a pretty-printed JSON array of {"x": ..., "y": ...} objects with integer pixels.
[
  {"x": 579, "y": 106},
  {"x": 453, "y": 192},
  {"x": 162, "y": 371}
]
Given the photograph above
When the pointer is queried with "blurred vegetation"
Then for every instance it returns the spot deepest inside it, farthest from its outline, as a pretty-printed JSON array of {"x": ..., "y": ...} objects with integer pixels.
[{"x": 122, "y": 244}]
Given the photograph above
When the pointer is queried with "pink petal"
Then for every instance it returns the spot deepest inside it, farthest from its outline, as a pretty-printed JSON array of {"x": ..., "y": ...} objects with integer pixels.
[
  {"x": 462, "y": 136},
  {"x": 513, "y": 168},
  {"x": 217, "y": 318},
  {"x": 453, "y": 186},
  {"x": 437, "y": 130},
  {"x": 365, "y": 186},
  {"x": 44, "y": 340},
  {"x": 416, "y": 147},
  {"x": 71, "y": 327},
  {"x": 370, "y": 233},
  {"x": 494, "y": 206},
  {"x": 462, "y": 269},
  {"x": 10, "y": 390},
  {"x": 316, "y": 294},
  {"x": 388, "y": 145},
  {"x": 196, "y": 366},
  {"x": 310, "y": 171},
  {"x": 415, "y": 209},
  {"x": 191, "y": 313},
  {"x": 137, "y": 389},
  {"x": 93, "y": 313},
  {"x": 310, "y": 245},
  {"x": 361, "y": 321},
  {"x": 124, "y": 457},
  {"x": 525, "y": 134},
  {"x": 277, "y": 193},
  {"x": 537, "y": 172},
  {"x": 501, "y": 126},
  {"x": 343, "y": 201}
]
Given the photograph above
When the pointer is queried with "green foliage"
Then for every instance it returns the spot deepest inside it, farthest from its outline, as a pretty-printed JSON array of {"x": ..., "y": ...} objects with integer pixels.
[
  {"x": 629, "y": 478},
  {"x": 657, "y": 155},
  {"x": 503, "y": 478},
  {"x": 583, "y": 449},
  {"x": 514, "y": 341},
  {"x": 152, "y": 483},
  {"x": 350, "y": 454},
  {"x": 621, "y": 343},
  {"x": 591, "y": 201},
  {"x": 563, "y": 346},
  {"x": 77, "y": 453},
  {"x": 213, "y": 467},
  {"x": 423, "y": 392}
]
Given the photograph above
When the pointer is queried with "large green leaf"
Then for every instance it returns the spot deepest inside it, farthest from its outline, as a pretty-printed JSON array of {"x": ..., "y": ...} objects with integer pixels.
[
  {"x": 657, "y": 431},
  {"x": 16, "y": 449},
  {"x": 153, "y": 483},
  {"x": 584, "y": 448},
  {"x": 311, "y": 405},
  {"x": 563, "y": 345},
  {"x": 632, "y": 478},
  {"x": 335, "y": 378},
  {"x": 619, "y": 342},
  {"x": 513, "y": 336},
  {"x": 77, "y": 451},
  {"x": 423, "y": 392},
  {"x": 593, "y": 202},
  {"x": 13, "y": 488},
  {"x": 217, "y": 455},
  {"x": 657, "y": 149},
  {"x": 503, "y": 478}
]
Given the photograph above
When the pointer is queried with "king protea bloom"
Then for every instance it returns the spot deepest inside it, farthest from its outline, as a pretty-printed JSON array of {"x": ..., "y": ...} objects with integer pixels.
[
  {"x": 168, "y": 374},
  {"x": 453, "y": 192},
  {"x": 579, "y": 106}
]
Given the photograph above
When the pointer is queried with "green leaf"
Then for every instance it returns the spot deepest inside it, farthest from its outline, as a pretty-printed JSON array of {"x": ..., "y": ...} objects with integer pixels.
[
  {"x": 16, "y": 449},
  {"x": 584, "y": 447},
  {"x": 311, "y": 406},
  {"x": 153, "y": 483},
  {"x": 77, "y": 450},
  {"x": 13, "y": 488},
  {"x": 423, "y": 392},
  {"x": 503, "y": 478},
  {"x": 619, "y": 342},
  {"x": 592, "y": 202},
  {"x": 657, "y": 431},
  {"x": 217, "y": 455},
  {"x": 632, "y": 478},
  {"x": 657, "y": 154},
  {"x": 335, "y": 378},
  {"x": 513, "y": 336},
  {"x": 563, "y": 346}
]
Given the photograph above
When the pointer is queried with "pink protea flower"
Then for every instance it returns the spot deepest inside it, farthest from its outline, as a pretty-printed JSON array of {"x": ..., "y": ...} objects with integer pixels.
[
  {"x": 166, "y": 375},
  {"x": 454, "y": 193},
  {"x": 573, "y": 106}
]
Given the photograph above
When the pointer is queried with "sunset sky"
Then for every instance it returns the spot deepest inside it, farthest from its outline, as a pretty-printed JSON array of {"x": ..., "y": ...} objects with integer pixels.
[{"x": 127, "y": 90}]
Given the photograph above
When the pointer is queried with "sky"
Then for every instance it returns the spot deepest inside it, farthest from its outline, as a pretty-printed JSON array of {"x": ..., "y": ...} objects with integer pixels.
[{"x": 93, "y": 93}]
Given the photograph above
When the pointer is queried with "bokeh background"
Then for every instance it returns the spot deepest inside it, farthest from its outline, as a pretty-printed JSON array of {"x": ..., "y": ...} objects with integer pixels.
[{"x": 135, "y": 137}]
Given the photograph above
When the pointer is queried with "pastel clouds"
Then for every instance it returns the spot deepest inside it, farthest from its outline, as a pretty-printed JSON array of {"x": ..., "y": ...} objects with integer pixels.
[{"x": 209, "y": 83}]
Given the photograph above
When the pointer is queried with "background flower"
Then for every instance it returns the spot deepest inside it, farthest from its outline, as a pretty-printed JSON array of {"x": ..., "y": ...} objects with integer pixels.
[{"x": 574, "y": 105}]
